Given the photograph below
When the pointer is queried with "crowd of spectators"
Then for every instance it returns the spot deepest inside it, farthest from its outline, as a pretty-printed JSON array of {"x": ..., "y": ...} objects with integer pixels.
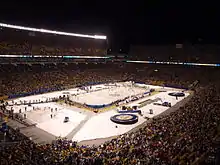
[
  {"x": 37, "y": 77},
  {"x": 52, "y": 77},
  {"x": 18, "y": 42},
  {"x": 186, "y": 136}
]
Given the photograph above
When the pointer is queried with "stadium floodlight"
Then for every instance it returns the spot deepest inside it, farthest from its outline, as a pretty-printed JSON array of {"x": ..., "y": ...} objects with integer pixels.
[
  {"x": 45, "y": 56},
  {"x": 52, "y": 31},
  {"x": 172, "y": 63}
]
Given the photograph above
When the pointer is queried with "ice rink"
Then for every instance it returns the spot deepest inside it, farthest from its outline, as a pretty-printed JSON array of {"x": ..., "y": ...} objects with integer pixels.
[
  {"x": 106, "y": 96},
  {"x": 84, "y": 124}
]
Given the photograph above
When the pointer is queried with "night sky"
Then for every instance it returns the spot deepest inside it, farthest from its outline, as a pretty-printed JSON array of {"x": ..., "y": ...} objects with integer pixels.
[{"x": 124, "y": 22}]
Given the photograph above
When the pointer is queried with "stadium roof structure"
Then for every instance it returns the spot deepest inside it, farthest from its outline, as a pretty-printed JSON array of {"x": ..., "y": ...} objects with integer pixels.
[{"x": 52, "y": 31}]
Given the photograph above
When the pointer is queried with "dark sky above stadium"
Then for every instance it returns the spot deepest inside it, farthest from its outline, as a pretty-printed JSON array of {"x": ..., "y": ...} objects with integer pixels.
[{"x": 124, "y": 22}]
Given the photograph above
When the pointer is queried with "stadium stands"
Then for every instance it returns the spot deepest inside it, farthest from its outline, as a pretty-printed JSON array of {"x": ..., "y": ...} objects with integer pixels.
[
  {"x": 19, "y": 42},
  {"x": 201, "y": 53},
  {"x": 187, "y": 136},
  {"x": 183, "y": 137}
]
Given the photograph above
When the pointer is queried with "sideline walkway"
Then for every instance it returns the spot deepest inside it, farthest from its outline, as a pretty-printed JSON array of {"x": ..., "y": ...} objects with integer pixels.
[
  {"x": 36, "y": 134},
  {"x": 79, "y": 126}
]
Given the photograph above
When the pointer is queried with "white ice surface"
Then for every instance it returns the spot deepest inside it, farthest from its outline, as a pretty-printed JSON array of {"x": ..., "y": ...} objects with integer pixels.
[
  {"x": 41, "y": 117},
  {"x": 99, "y": 125},
  {"x": 106, "y": 96},
  {"x": 57, "y": 127}
]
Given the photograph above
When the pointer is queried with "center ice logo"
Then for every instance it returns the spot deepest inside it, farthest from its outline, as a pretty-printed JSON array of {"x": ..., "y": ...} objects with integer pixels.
[{"x": 125, "y": 117}]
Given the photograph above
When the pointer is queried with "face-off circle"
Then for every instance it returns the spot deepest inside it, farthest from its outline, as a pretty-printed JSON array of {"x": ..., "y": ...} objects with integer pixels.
[
  {"x": 177, "y": 94},
  {"x": 124, "y": 118}
]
